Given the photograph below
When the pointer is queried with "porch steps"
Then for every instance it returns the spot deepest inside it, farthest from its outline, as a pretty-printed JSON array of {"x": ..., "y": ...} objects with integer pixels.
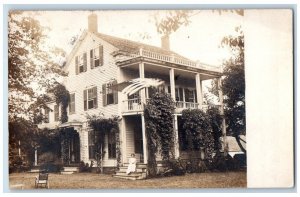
[
  {"x": 140, "y": 173},
  {"x": 69, "y": 170}
]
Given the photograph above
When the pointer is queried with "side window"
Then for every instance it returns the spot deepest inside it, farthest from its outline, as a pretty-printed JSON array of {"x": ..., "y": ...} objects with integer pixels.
[
  {"x": 96, "y": 57},
  {"x": 92, "y": 148},
  {"x": 81, "y": 63},
  {"x": 72, "y": 104},
  {"x": 56, "y": 113},
  {"x": 90, "y": 98},
  {"x": 110, "y": 96},
  {"x": 47, "y": 112}
]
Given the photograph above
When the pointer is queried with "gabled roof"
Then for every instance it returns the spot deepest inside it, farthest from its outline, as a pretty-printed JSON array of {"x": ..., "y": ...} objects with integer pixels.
[{"x": 132, "y": 46}]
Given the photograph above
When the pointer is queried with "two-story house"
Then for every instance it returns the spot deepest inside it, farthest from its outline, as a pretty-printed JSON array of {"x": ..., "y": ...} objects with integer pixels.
[{"x": 99, "y": 61}]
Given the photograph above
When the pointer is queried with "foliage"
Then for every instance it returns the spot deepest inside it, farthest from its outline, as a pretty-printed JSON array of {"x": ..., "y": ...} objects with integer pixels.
[
  {"x": 31, "y": 63},
  {"x": 198, "y": 130},
  {"x": 50, "y": 162},
  {"x": 215, "y": 121},
  {"x": 84, "y": 167},
  {"x": 102, "y": 126},
  {"x": 62, "y": 98},
  {"x": 173, "y": 20},
  {"x": 233, "y": 87},
  {"x": 174, "y": 167},
  {"x": 21, "y": 131},
  {"x": 159, "y": 128}
]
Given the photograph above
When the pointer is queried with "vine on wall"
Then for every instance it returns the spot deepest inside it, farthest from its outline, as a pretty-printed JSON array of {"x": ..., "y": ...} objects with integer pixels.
[
  {"x": 102, "y": 126},
  {"x": 62, "y": 97},
  {"x": 198, "y": 130},
  {"x": 159, "y": 128}
]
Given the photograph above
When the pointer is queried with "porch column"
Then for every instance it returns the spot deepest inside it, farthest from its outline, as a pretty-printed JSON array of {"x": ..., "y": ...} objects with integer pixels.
[
  {"x": 222, "y": 114},
  {"x": 123, "y": 135},
  {"x": 176, "y": 141},
  {"x": 172, "y": 83},
  {"x": 199, "y": 90},
  {"x": 121, "y": 96},
  {"x": 145, "y": 151},
  {"x": 142, "y": 76},
  {"x": 84, "y": 144}
]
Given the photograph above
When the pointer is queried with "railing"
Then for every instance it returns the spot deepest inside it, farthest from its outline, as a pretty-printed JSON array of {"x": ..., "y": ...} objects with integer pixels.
[
  {"x": 135, "y": 105},
  {"x": 172, "y": 59},
  {"x": 131, "y": 105},
  {"x": 186, "y": 105}
]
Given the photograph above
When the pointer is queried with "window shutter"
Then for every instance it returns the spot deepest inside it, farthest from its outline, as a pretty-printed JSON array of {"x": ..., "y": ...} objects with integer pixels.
[
  {"x": 115, "y": 93},
  {"x": 85, "y": 99},
  {"x": 104, "y": 94},
  {"x": 92, "y": 59},
  {"x": 95, "y": 97},
  {"x": 101, "y": 55},
  {"x": 76, "y": 65},
  {"x": 84, "y": 62}
]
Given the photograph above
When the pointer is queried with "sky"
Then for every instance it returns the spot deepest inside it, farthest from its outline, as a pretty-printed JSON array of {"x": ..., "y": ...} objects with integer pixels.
[{"x": 200, "y": 40}]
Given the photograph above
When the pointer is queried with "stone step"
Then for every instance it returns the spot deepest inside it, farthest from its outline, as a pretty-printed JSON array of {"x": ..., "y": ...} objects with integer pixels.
[
  {"x": 63, "y": 172},
  {"x": 138, "y": 165},
  {"x": 125, "y": 177},
  {"x": 124, "y": 169},
  {"x": 131, "y": 174},
  {"x": 70, "y": 169}
]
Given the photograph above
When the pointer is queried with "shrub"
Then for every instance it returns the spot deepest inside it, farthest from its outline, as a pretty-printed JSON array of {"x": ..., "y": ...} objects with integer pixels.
[
  {"x": 84, "y": 167},
  {"x": 18, "y": 164},
  {"x": 174, "y": 167},
  {"x": 50, "y": 162},
  {"x": 224, "y": 163}
]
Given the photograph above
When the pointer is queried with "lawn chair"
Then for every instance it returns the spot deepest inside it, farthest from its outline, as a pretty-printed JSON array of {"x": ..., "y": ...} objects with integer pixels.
[{"x": 42, "y": 179}]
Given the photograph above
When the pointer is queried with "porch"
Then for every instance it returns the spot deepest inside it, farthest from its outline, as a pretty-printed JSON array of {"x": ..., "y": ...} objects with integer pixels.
[{"x": 184, "y": 84}]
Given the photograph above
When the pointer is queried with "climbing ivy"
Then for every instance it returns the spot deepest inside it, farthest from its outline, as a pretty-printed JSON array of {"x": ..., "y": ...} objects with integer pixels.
[
  {"x": 62, "y": 97},
  {"x": 199, "y": 133},
  {"x": 102, "y": 126},
  {"x": 159, "y": 128}
]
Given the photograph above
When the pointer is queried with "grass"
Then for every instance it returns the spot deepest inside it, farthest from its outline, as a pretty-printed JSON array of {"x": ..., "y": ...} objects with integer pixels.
[{"x": 101, "y": 181}]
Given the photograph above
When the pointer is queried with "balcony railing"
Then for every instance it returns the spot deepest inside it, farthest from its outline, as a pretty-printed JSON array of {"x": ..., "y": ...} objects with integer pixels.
[
  {"x": 135, "y": 105},
  {"x": 187, "y": 105},
  {"x": 132, "y": 105},
  {"x": 172, "y": 59}
]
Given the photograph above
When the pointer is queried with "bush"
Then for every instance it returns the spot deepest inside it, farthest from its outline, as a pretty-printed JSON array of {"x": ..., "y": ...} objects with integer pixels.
[
  {"x": 18, "y": 164},
  {"x": 84, "y": 167},
  {"x": 50, "y": 162},
  {"x": 224, "y": 163},
  {"x": 174, "y": 167},
  {"x": 240, "y": 160}
]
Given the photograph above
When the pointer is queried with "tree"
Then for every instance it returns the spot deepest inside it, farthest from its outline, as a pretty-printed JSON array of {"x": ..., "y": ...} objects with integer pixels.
[
  {"x": 33, "y": 65},
  {"x": 233, "y": 86}
]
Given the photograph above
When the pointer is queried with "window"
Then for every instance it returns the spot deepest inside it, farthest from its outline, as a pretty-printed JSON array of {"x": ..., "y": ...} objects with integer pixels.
[
  {"x": 96, "y": 57},
  {"x": 179, "y": 94},
  {"x": 81, "y": 63},
  {"x": 111, "y": 145},
  {"x": 47, "y": 111},
  {"x": 56, "y": 113},
  {"x": 190, "y": 95},
  {"x": 92, "y": 147},
  {"x": 110, "y": 96},
  {"x": 90, "y": 98},
  {"x": 72, "y": 104}
]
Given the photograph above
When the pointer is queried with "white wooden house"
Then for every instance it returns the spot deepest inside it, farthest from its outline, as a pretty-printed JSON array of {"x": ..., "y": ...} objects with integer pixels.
[{"x": 99, "y": 61}]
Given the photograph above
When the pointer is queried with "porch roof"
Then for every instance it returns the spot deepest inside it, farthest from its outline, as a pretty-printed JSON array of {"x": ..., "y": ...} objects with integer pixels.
[{"x": 70, "y": 124}]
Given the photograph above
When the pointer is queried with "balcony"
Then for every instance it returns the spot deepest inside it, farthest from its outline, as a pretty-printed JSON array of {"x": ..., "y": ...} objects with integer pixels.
[
  {"x": 169, "y": 58},
  {"x": 136, "y": 106}
]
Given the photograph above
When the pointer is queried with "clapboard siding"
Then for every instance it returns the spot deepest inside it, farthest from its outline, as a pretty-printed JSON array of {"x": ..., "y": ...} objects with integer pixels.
[{"x": 92, "y": 77}]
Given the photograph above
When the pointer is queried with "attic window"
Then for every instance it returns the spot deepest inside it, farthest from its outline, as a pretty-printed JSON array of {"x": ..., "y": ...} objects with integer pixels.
[
  {"x": 81, "y": 63},
  {"x": 96, "y": 57}
]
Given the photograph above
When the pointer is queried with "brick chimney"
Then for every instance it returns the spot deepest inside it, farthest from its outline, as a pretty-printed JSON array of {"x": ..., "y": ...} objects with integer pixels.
[
  {"x": 93, "y": 23},
  {"x": 165, "y": 42}
]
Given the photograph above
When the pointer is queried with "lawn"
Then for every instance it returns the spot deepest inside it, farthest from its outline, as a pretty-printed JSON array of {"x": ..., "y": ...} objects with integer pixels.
[{"x": 100, "y": 181}]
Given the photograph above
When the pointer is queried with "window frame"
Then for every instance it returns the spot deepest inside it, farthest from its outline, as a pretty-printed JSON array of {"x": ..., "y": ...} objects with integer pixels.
[{"x": 72, "y": 110}]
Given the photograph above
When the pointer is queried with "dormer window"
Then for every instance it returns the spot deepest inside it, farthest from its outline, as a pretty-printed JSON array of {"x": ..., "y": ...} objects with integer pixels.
[
  {"x": 81, "y": 63},
  {"x": 96, "y": 57}
]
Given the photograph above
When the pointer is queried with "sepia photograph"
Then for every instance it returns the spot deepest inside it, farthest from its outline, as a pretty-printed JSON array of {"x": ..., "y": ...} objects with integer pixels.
[{"x": 127, "y": 99}]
